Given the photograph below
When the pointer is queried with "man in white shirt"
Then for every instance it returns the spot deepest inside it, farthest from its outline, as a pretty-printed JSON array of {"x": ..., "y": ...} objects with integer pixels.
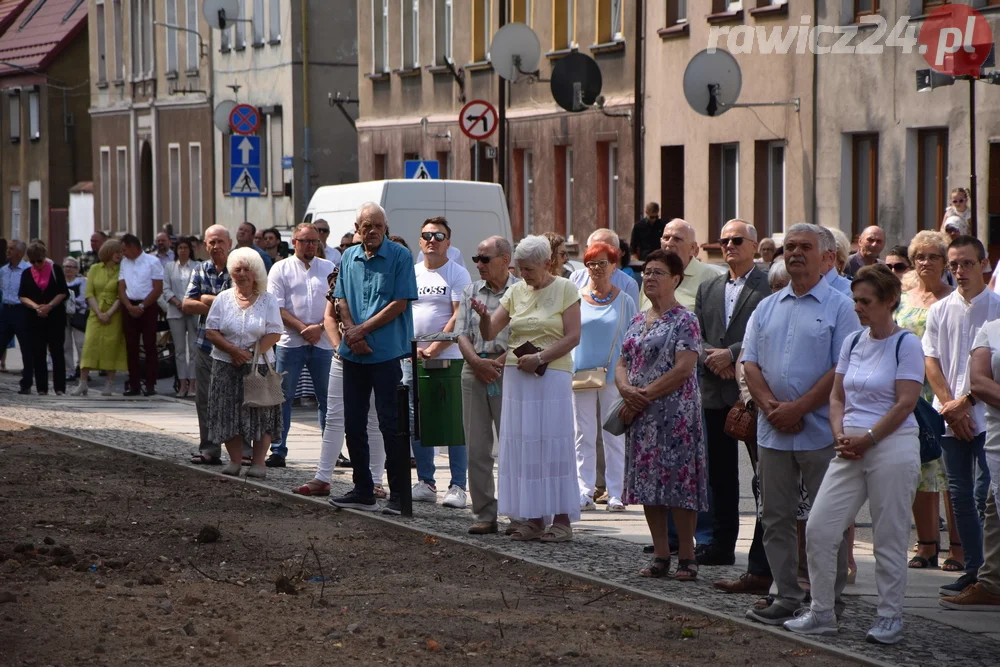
[
  {"x": 952, "y": 325},
  {"x": 323, "y": 229},
  {"x": 14, "y": 314},
  {"x": 620, "y": 279},
  {"x": 440, "y": 283},
  {"x": 679, "y": 237},
  {"x": 140, "y": 283},
  {"x": 300, "y": 285}
]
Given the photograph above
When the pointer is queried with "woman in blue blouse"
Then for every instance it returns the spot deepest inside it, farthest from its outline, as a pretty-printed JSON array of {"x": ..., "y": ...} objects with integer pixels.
[{"x": 605, "y": 312}]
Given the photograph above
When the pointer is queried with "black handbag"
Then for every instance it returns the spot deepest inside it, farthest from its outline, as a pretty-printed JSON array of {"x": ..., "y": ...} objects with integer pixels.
[{"x": 78, "y": 320}]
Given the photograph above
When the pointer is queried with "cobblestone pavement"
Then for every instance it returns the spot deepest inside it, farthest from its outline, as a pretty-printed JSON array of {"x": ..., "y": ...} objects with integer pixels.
[{"x": 612, "y": 560}]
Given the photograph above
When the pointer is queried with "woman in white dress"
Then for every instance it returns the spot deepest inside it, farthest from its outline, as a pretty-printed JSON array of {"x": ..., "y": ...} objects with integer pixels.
[{"x": 183, "y": 328}]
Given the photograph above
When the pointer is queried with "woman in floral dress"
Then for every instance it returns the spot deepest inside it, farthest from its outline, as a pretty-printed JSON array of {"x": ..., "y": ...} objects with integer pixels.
[{"x": 665, "y": 464}]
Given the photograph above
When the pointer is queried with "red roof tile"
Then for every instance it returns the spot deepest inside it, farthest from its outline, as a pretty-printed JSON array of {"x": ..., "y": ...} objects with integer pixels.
[{"x": 38, "y": 32}]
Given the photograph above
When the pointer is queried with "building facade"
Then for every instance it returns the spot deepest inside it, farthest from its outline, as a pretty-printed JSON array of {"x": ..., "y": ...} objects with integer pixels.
[
  {"x": 890, "y": 155},
  {"x": 45, "y": 136},
  {"x": 288, "y": 60},
  {"x": 152, "y": 117},
  {"x": 566, "y": 172}
]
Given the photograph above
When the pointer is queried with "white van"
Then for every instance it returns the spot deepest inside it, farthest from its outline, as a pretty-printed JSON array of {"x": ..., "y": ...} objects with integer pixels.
[{"x": 474, "y": 210}]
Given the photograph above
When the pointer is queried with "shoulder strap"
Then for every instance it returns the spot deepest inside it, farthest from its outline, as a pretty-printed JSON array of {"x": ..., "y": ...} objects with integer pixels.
[
  {"x": 899, "y": 343},
  {"x": 854, "y": 343}
]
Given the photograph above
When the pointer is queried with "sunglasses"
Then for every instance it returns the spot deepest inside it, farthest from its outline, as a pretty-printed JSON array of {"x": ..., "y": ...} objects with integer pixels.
[
  {"x": 899, "y": 267},
  {"x": 958, "y": 201},
  {"x": 735, "y": 240},
  {"x": 433, "y": 236},
  {"x": 482, "y": 259}
]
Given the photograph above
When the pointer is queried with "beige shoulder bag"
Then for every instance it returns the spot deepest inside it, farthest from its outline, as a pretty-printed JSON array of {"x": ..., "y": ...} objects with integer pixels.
[{"x": 596, "y": 378}]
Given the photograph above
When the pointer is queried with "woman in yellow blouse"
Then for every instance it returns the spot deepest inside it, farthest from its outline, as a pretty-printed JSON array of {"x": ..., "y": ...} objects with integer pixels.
[
  {"x": 104, "y": 340},
  {"x": 537, "y": 470}
]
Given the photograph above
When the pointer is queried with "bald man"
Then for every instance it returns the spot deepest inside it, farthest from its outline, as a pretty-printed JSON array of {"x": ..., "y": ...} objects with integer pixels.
[
  {"x": 680, "y": 238},
  {"x": 723, "y": 305},
  {"x": 208, "y": 279},
  {"x": 870, "y": 246}
]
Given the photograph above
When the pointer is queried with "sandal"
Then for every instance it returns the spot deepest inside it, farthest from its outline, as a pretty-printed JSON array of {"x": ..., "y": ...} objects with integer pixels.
[
  {"x": 687, "y": 570},
  {"x": 379, "y": 492},
  {"x": 246, "y": 461},
  {"x": 202, "y": 460},
  {"x": 313, "y": 487},
  {"x": 512, "y": 528},
  {"x": 557, "y": 532},
  {"x": 527, "y": 532},
  {"x": 919, "y": 562},
  {"x": 950, "y": 564},
  {"x": 657, "y": 568}
]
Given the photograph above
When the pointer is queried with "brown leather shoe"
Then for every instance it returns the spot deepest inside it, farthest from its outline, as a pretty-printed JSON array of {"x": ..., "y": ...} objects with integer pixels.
[
  {"x": 483, "y": 528},
  {"x": 751, "y": 584}
]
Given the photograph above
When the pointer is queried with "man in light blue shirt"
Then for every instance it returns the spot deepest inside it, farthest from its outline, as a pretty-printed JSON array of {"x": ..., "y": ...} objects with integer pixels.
[
  {"x": 374, "y": 293},
  {"x": 828, "y": 246},
  {"x": 790, "y": 350},
  {"x": 14, "y": 314},
  {"x": 620, "y": 279}
]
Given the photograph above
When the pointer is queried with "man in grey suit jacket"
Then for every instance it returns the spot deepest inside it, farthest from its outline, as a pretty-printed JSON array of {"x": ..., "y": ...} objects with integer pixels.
[{"x": 723, "y": 306}]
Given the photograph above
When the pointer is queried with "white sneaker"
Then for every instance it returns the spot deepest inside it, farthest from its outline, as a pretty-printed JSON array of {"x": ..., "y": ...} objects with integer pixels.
[
  {"x": 108, "y": 390},
  {"x": 455, "y": 497},
  {"x": 81, "y": 390},
  {"x": 814, "y": 623},
  {"x": 887, "y": 630},
  {"x": 615, "y": 505},
  {"x": 424, "y": 493}
]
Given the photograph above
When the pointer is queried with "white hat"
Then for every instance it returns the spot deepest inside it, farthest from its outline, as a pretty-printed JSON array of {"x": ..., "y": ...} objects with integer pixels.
[{"x": 958, "y": 224}]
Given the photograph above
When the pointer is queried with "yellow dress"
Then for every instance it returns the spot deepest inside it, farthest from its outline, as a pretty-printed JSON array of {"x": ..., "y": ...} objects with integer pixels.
[{"x": 104, "y": 344}]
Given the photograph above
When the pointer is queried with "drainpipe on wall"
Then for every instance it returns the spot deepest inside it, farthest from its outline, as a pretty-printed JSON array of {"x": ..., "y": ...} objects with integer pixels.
[
  {"x": 815, "y": 123},
  {"x": 639, "y": 177},
  {"x": 306, "y": 132}
]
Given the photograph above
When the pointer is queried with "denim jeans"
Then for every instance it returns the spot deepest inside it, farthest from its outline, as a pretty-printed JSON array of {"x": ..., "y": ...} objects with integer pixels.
[
  {"x": 291, "y": 361},
  {"x": 968, "y": 493},
  {"x": 458, "y": 457},
  {"x": 360, "y": 380}
]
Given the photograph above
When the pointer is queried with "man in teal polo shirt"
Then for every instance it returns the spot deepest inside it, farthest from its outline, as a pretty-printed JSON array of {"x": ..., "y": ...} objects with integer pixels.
[{"x": 374, "y": 292}]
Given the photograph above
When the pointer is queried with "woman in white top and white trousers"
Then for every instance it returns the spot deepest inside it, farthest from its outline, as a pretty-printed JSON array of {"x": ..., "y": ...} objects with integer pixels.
[
  {"x": 183, "y": 328},
  {"x": 875, "y": 390}
]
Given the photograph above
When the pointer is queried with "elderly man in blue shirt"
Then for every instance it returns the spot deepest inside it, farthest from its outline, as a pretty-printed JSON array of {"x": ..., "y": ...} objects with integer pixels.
[
  {"x": 13, "y": 314},
  {"x": 375, "y": 291},
  {"x": 790, "y": 350},
  {"x": 828, "y": 246}
]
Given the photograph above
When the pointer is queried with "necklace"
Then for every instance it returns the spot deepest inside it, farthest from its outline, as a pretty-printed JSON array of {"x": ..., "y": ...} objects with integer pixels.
[
  {"x": 607, "y": 299},
  {"x": 874, "y": 367},
  {"x": 245, "y": 298}
]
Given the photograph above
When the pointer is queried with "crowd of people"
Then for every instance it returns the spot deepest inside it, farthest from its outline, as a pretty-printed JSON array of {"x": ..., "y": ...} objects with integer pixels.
[{"x": 849, "y": 378}]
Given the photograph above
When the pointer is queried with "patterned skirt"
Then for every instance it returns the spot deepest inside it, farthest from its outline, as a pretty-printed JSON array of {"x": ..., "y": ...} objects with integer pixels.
[{"x": 228, "y": 417}]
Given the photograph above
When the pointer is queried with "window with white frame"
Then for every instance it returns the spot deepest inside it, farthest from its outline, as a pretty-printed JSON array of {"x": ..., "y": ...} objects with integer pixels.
[
  {"x": 116, "y": 9},
  {"x": 14, "y": 114},
  {"x": 258, "y": 22},
  {"x": 142, "y": 40},
  {"x": 563, "y": 24},
  {"x": 15, "y": 213},
  {"x": 195, "y": 181},
  {"x": 482, "y": 29},
  {"x": 105, "y": 187},
  {"x": 240, "y": 38},
  {"x": 192, "y": 50},
  {"x": 609, "y": 21},
  {"x": 729, "y": 183},
  {"x": 174, "y": 185},
  {"x": 380, "y": 36},
  {"x": 676, "y": 12},
  {"x": 276, "y": 148},
  {"x": 775, "y": 187},
  {"x": 409, "y": 12},
  {"x": 612, "y": 186},
  {"x": 274, "y": 22},
  {"x": 226, "y": 40},
  {"x": 148, "y": 50},
  {"x": 442, "y": 31},
  {"x": 34, "y": 115},
  {"x": 122, "y": 179},
  {"x": 569, "y": 190},
  {"x": 170, "y": 37},
  {"x": 529, "y": 188},
  {"x": 520, "y": 11},
  {"x": 102, "y": 44}
]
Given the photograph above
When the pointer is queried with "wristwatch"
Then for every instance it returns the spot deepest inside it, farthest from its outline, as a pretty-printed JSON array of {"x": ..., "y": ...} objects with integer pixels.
[
  {"x": 142, "y": 306},
  {"x": 972, "y": 399}
]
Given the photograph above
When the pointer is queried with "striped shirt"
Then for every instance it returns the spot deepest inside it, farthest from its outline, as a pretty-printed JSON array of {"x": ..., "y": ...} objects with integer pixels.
[{"x": 206, "y": 279}]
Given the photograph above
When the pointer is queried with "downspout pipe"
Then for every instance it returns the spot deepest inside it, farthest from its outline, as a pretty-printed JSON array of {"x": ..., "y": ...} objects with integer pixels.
[
  {"x": 815, "y": 122},
  {"x": 639, "y": 177},
  {"x": 306, "y": 130}
]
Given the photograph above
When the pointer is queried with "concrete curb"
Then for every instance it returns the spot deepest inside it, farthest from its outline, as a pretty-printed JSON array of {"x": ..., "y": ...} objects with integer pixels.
[{"x": 779, "y": 634}]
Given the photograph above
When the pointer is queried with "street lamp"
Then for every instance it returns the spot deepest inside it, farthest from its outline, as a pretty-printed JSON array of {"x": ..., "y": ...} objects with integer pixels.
[
  {"x": 202, "y": 51},
  {"x": 928, "y": 80}
]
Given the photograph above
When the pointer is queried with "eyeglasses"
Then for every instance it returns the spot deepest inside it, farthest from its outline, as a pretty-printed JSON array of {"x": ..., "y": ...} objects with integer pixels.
[
  {"x": 933, "y": 257},
  {"x": 654, "y": 273},
  {"x": 563, "y": 253},
  {"x": 899, "y": 267},
  {"x": 735, "y": 240},
  {"x": 598, "y": 264},
  {"x": 965, "y": 265},
  {"x": 307, "y": 241},
  {"x": 433, "y": 236},
  {"x": 482, "y": 259}
]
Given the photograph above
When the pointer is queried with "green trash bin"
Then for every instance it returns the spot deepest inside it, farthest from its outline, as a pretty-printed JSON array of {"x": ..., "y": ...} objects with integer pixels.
[{"x": 440, "y": 387}]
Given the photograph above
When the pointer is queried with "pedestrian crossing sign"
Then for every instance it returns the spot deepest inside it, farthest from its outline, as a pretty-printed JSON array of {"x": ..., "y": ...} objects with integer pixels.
[
  {"x": 245, "y": 182},
  {"x": 422, "y": 170}
]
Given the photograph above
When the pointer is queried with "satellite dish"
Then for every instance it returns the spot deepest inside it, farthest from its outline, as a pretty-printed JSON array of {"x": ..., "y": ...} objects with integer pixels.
[
  {"x": 512, "y": 42},
  {"x": 221, "y": 115},
  {"x": 712, "y": 82},
  {"x": 220, "y": 13},
  {"x": 576, "y": 82}
]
